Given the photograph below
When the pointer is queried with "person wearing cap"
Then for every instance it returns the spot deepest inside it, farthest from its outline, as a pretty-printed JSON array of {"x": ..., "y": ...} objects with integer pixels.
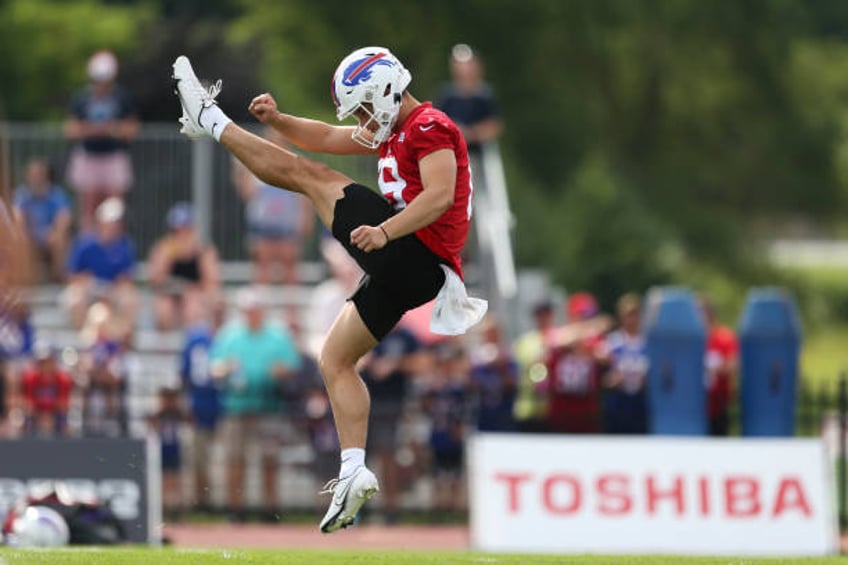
[
  {"x": 102, "y": 263},
  {"x": 469, "y": 101},
  {"x": 251, "y": 355},
  {"x": 575, "y": 365},
  {"x": 102, "y": 122},
  {"x": 184, "y": 271},
  {"x": 46, "y": 389}
]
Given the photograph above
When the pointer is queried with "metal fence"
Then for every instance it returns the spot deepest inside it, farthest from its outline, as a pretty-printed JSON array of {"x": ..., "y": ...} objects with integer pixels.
[{"x": 165, "y": 166}]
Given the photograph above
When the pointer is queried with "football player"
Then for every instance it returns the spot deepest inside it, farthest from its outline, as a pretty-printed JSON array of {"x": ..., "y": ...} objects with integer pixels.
[{"x": 407, "y": 240}]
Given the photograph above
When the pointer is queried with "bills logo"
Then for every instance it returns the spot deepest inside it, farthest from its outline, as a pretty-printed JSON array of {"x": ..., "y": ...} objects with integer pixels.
[{"x": 360, "y": 70}]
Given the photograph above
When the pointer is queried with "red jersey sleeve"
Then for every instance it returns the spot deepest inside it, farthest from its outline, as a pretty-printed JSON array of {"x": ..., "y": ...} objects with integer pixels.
[{"x": 430, "y": 135}]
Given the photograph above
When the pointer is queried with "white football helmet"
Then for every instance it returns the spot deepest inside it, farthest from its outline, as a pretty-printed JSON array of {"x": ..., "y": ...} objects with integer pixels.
[
  {"x": 38, "y": 526},
  {"x": 373, "y": 76}
]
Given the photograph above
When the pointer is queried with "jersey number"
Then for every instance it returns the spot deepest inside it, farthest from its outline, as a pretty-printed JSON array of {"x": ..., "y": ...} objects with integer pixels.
[{"x": 390, "y": 181}]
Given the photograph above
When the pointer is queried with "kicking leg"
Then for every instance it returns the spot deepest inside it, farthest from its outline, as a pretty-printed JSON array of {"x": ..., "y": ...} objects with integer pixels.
[
  {"x": 282, "y": 168},
  {"x": 269, "y": 162}
]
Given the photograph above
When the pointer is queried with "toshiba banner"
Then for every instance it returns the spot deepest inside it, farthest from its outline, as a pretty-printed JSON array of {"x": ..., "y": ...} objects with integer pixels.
[{"x": 600, "y": 494}]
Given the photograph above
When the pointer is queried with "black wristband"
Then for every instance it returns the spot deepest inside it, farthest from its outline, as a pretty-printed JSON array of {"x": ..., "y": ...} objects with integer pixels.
[{"x": 388, "y": 239}]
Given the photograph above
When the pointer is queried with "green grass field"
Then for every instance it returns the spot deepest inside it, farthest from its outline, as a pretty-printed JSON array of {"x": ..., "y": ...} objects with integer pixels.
[{"x": 289, "y": 557}]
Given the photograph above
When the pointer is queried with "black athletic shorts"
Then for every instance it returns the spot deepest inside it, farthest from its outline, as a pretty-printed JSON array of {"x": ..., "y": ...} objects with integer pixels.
[{"x": 399, "y": 277}]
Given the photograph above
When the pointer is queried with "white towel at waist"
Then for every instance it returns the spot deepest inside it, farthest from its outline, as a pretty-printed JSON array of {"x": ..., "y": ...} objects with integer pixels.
[{"x": 455, "y": 312}]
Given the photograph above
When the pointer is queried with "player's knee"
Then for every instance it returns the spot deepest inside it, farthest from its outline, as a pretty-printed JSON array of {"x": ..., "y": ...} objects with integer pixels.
[{"x": 332, "y": 365}]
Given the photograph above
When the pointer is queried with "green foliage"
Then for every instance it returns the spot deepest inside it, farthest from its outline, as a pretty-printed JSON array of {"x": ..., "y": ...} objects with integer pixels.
[
  {"x": 604, "y": 238},
  {"x": 44, "y": 45},
  {"x": 718, "y": 123}
]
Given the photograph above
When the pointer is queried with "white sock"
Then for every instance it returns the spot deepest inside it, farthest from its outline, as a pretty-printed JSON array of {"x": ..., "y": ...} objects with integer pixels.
[
  {"x": 352, "y": 459},
  {"x": 214, "y": 120}
]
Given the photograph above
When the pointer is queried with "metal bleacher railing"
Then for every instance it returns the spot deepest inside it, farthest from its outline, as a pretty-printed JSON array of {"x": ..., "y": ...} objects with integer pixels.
[{"x": 164, "y": 164}]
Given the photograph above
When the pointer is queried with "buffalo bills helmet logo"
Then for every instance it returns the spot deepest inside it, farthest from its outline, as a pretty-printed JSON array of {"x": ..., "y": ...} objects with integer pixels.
[{"x": 360, "y": 70}]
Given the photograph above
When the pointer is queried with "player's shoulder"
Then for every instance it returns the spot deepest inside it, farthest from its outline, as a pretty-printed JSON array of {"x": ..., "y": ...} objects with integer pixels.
[{"x": 432, "y": 118}]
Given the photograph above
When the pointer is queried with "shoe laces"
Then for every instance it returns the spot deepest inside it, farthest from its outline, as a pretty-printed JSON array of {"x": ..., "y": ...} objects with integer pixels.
[
  {"x": 214, "y": 90},
  {"x": 330, "y": 487},
  {"x": 207, "y": 94}
]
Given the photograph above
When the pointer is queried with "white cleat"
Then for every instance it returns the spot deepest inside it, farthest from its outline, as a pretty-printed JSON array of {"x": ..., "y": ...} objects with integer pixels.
[
  {"x": 349, "y": 494},
  {"x": 194, "y": 98}
]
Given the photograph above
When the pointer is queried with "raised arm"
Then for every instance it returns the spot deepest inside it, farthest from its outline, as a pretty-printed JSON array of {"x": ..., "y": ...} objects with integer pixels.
[{"x": 310, "y": 135}]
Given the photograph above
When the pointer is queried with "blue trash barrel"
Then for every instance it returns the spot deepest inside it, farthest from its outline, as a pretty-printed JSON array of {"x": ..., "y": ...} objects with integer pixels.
[
  {"x": 770, "y": 347},
  {"x": 675, "y": 340}
]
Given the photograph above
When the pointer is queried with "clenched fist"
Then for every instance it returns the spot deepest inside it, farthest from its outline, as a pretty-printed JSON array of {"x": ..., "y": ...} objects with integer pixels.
[
  {"x": 263, "y": 107},
  {"x": 369, "y": 238}
]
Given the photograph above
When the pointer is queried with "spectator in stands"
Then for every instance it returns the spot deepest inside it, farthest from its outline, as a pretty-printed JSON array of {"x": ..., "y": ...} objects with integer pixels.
[
  {"x": 167, "y": 422},
  {"x": 103, "y": 366},
  {"x": 531, "y": 352},
  {"x": 387, "y": 371},
  {"x": 251, "y": 355},
  {"x": 184, "y": 271},
  {"x": 43, "y": 212},
  {"x": 625, "y": 410},
  {"x": 13, "y": 325},
  {"x": 278, "y": 222},
  {"x": 494, "y": 378},
  {"x": 204, "y": 397},
  {"x": 102, "y": 122},
  {"x": 46, "y": 393},
  {"x": 575, "y": 365},
  {"x": 446, "y": 401},
  {"x": 17, "y": 336},
  {"x": 469, "y": 101},
  {"x": 4, "y": 397},
  {"x": 102, "y": 264},
  {"x": 720, "y": 366}
]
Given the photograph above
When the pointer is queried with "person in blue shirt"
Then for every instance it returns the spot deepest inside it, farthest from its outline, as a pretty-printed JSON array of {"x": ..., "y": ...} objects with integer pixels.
[
  {"x": 625, "y": 410},
  {"x": 469, "y": 101},
  {"x": 102, "y": 264},
  {"x": 43, "y": 210},
  {"x": 446, "y": 400},
  {"x": 204, "y": 400},
  {"x": 167, "y": 423},
  {"x": 494, "y": 381}
]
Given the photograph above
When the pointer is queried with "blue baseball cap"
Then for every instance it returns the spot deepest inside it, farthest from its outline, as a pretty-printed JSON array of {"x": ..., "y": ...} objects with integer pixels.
[{"x": 180, "y": 215}]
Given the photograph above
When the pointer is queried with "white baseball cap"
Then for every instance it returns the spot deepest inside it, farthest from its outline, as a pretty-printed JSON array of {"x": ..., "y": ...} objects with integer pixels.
[
  {"x": 110, "y": 210},
  {"x": 102, "y": 66},
  {"x": 250, "y": 298}
]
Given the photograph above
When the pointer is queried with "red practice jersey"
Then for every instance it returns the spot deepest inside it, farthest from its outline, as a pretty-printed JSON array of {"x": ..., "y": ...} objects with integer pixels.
[
  {"x": 427, "y": 130},
  {"x": 47, "y": 394}
]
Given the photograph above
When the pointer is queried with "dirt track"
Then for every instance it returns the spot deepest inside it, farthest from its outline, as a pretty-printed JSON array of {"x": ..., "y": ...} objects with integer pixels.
[{"x": 308, "y": 537}]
